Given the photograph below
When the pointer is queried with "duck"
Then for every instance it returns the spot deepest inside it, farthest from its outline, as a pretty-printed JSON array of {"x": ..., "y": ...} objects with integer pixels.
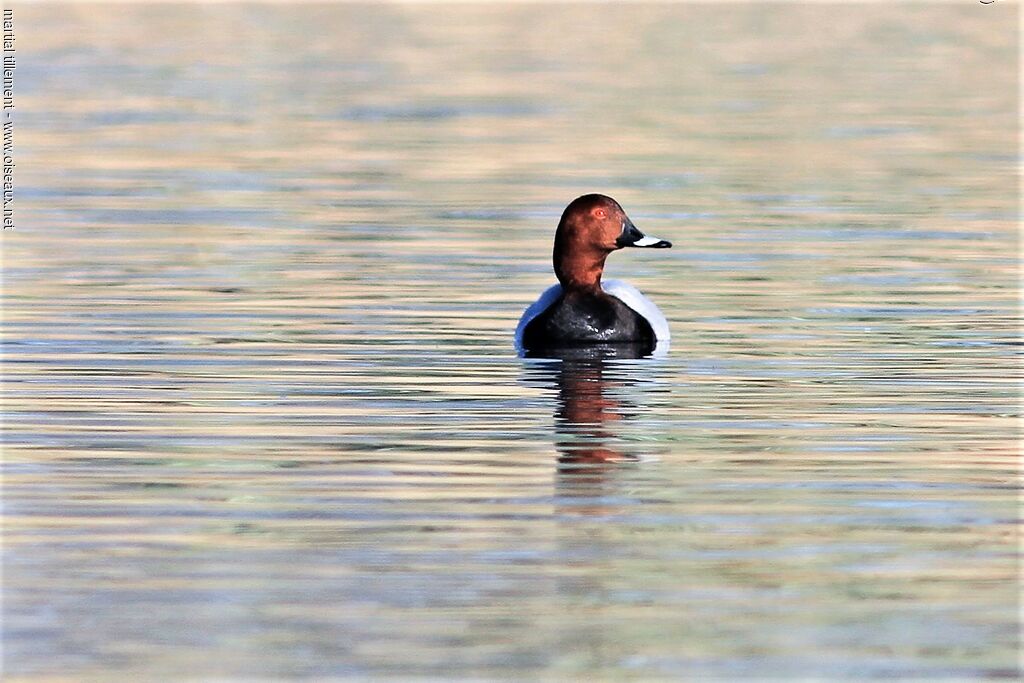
[{"x": 581, "y": 309}]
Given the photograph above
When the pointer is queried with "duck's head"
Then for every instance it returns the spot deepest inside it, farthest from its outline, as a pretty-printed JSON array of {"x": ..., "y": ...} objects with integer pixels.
[{"x": 592, "y": 227}]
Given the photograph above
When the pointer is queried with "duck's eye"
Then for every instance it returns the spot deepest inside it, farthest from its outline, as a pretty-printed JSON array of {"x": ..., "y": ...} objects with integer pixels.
[{"x": 600, "y": 213}]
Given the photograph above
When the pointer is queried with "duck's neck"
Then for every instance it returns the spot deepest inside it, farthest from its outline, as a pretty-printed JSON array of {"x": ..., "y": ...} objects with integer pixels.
[{"x": 582, "y": 272}]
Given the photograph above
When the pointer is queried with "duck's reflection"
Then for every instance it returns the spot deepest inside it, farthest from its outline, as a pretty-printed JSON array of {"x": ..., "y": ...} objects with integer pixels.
[
  {"x": 594, "y": 399},
  {"x": 589, "y": 408},
  {"x": 598, "y": 481}
]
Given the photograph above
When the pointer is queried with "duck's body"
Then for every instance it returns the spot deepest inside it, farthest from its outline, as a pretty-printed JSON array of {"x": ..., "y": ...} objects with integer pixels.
[
  {"x": 619, "y": 314},
  {"x": 581, "y": 309},
  {"x": 587, "y": 318}
]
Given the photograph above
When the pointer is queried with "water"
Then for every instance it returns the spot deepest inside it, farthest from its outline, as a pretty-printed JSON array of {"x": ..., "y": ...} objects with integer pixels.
[{"x": 263, "y": 418}]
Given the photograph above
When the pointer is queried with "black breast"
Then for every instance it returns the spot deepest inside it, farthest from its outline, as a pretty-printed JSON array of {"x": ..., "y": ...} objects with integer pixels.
[{"x": 587, "y": 318}]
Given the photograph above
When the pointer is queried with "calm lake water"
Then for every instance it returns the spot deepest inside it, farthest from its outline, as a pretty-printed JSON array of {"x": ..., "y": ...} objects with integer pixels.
[{"x": 263, "y": 417}]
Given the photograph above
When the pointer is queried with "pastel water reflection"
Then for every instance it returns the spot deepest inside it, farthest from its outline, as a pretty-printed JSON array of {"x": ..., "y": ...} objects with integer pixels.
[{"x": 262, "y": 414}]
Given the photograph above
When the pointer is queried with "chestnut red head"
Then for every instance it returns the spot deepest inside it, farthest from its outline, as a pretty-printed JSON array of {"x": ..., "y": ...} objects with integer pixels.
[{"x": 592, "y": 227}]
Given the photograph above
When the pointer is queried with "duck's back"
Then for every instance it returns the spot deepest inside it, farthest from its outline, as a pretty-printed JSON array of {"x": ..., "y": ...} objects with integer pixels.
[
  {"x": 551, "y": 321},
  {"x": 586, "y": 318}
]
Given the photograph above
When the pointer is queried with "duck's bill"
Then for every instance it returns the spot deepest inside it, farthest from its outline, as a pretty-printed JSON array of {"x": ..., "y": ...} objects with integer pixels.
[
  {"x": 632, "y": 237},
  {"x": 651, "y": 242}
]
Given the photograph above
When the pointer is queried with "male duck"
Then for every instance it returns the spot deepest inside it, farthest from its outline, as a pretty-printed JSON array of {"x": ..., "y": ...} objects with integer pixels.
[{"x": 581, "y": 309}]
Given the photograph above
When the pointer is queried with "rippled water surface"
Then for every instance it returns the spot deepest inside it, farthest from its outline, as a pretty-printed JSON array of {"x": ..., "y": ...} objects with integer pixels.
[{"x": 263, "y": 417}]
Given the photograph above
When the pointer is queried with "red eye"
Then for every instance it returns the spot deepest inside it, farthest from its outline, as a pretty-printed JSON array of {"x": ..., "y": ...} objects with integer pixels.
[{"x": 600, "y": 213}]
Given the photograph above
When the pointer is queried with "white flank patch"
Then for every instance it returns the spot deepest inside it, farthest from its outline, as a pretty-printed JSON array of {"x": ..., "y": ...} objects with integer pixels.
[
  {"x": 549, "y": 297},
  {"x": 634, "y": 298}
]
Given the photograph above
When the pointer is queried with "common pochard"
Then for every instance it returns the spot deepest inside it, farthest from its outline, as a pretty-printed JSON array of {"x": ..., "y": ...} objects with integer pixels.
[{"x": 581, "y": 309}]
